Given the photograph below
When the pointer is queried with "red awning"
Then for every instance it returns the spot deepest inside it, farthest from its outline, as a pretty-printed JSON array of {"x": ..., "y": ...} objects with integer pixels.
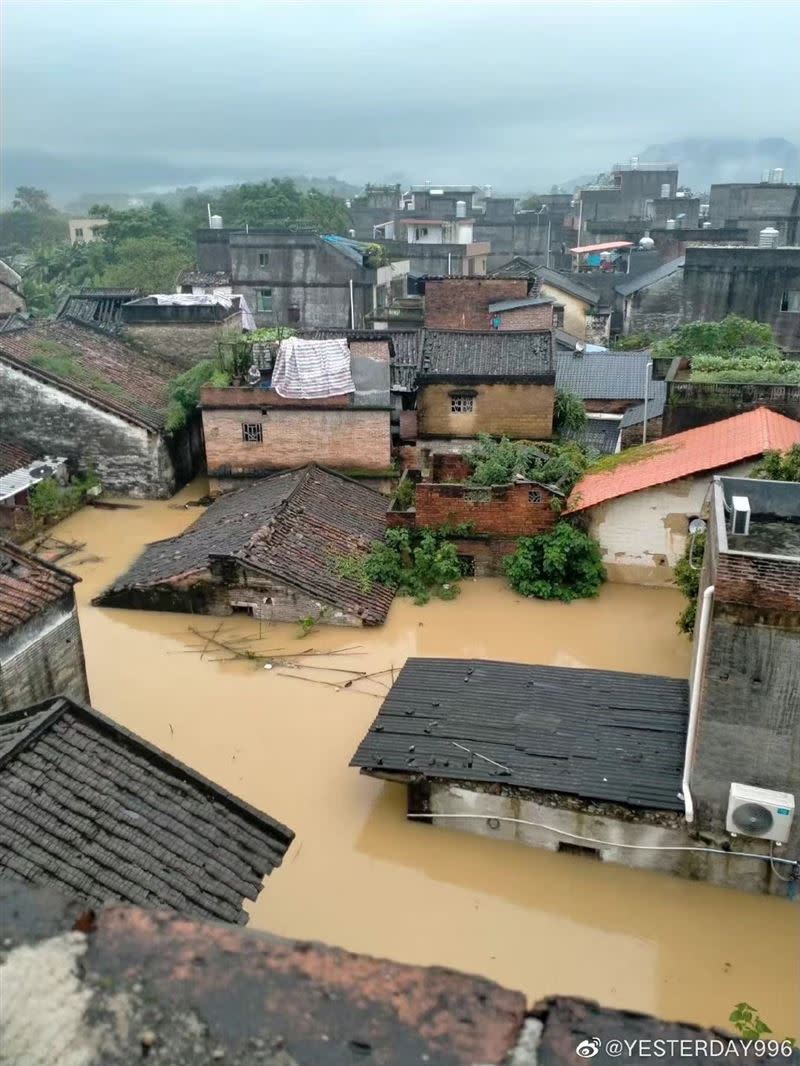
[{"x": 609, "y": 246}]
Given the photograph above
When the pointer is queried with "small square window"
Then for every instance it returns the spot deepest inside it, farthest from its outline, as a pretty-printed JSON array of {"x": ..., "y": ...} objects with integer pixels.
[
  {"x": 293, "y": 315},
  {"x": 790, "y": 301},
  {"x": 535, "y": 496},
  {"x": 264, "y": 300},
  {"x": 462, "y": 405},
  {"x": 252, "y": 432},
  {"x": 263, "y": 259},
  {"x": 79, "y": 232}
]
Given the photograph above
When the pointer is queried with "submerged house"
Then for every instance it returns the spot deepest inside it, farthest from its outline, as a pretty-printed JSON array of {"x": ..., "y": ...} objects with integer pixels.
[
  {"x": 271, "y": 550},
  {"x": 98, "y": 401},
  {"x": 88, "y": 807},
  {"x": 41, "y": 653},
  {"x": 640, "y": 509}
]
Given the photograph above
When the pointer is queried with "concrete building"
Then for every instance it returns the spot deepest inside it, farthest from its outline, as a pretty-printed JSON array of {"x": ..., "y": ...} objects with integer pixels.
[
  {"x": 98, "y": 401},
  {"x": 11, "y": 299},
  {"x": 41, "y": 654},
  {"x": 86, "y": 230},
  {"x": 747, "y": 667},
  {"x": 251, "y": 430},
  {"x": 586, "y": 311},
  {"x": 757, "y": 283},
  {"x": 87, "y": 805},
  {"x": 652, "y": 302},
  {"x": 497, "y": 382},
  {"x": 631, "y": 193},
  {"x": 295, "y": 278},
  {"x": 640, "y": 510},
  {"x": 270, "y": 550},
  {"x": 754, "y": 206}
]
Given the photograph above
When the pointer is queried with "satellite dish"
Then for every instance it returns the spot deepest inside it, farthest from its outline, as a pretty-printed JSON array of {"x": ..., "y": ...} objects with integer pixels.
[
  {"x": 697, "y": 525},
  {"x": 752, "y": 819}
]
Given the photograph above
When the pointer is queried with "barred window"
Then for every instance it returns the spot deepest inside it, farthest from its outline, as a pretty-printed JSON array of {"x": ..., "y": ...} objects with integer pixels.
[
  {"x": 535, "y": 496},
  {"x": 462, "y": 405},
  {"x": 252, "y": 432}
]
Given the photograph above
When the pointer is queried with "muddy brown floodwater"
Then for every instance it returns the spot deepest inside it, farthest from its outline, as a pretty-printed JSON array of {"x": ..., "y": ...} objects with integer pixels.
[{"x": 361, "y": 876}]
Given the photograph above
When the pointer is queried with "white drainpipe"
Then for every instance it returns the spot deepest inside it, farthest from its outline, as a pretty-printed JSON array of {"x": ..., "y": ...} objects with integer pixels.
[
  {"x": 694, "y": 698},
  {"x": 352, "y": 307}
]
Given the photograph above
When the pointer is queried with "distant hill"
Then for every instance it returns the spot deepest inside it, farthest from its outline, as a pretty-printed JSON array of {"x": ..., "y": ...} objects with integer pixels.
[{"x": 705, "y": 161}]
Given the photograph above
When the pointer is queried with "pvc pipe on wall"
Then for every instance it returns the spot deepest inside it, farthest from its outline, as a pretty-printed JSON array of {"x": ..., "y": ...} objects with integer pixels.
[{"x": 695, "y": 687}]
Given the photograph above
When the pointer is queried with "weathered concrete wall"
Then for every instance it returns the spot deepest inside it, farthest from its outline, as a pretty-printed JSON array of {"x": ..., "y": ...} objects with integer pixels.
[
  {"x": 128, "y": 459},
  {"x": 343, "y": 438},
  {"x": 656, "y": 309},
  {"x": 184, "y": 344},
  {"x": 519, "y": 411},
  {"x": 10, "y": 300},
  {"x": 575, "y": 309},
  {"x": 756, "y": 205},
  {"x": 644, "y": 534},
  {"x": 43, "y": 658},
  {"x": 648, "y": 831},
  {"x": 691, "y": 404}
]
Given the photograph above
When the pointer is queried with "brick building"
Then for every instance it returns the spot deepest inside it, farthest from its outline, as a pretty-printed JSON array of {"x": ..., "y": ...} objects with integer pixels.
[
  {"x": 498, "y": 382},
  {"x": 464, "y": 302},
  {"x": 269, "y": 550},
  {"x": 41, "y": 653},
  {"x": 252, "y": 430}
]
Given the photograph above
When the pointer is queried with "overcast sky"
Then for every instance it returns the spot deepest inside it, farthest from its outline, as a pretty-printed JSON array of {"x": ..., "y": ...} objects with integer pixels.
[{"x": 518, "y": 94}]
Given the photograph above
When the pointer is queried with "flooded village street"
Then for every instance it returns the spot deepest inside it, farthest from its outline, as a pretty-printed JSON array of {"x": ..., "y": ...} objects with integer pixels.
[{"x": 359, "y": 874}]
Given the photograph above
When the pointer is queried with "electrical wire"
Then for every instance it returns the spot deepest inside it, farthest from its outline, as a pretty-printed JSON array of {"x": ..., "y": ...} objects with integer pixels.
[
  {"x": 610, "y": 844},
  {"x": 772, "y": 863}
]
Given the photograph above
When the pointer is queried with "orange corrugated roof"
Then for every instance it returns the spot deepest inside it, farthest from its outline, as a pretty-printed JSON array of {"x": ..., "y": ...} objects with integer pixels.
[
  {"x": 696, "y": 451},
  {"x": 608, "y": 246}
]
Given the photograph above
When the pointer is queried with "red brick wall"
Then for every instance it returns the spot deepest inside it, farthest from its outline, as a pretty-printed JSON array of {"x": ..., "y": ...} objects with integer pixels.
[
  {"x": 446, "y": 467},
  {"x": 769, "y": 584},
  {"x": 497, "y": 509},
  {"x": 487, "y": 555},
  {"x": 540, "y": 316},
  {"x": 463, "y": 303}
]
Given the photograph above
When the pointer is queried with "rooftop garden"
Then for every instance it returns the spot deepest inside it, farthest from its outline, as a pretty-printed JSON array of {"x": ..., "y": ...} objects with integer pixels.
[{"x": 733, "y": 350}]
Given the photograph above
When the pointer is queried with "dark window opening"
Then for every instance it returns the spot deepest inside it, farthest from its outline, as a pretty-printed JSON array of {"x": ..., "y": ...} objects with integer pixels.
[
  {"x": 252, "y": 432},
  {"x": 263, "y": 259},
  {"x": 467, "y": 565},
  {"x": 790, "y": 300},
  {"x": 264, "y": 300},
  {"x": 535, "y": 496},
  {"x": 577, "y": 849},
  {"x": 243, "y": 608},
  {"x": 293, "y": 315}
]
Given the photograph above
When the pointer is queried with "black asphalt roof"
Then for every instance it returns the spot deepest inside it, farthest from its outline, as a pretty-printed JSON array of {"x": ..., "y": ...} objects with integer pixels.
[
  {"x": 492, "y": 354},
  {"x": 87, "y": 806},
  {"x": 597, "y": 434},
  {"x": 596, "y": 734},
  {"x": 629, "y": 286},
  {"x": 575, "y": 284}
]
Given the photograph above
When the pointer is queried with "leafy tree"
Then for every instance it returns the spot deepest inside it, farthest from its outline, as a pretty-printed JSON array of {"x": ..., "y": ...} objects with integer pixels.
[
  {"x": 775, "y": 466},
  {"x": 29, "y": 198},
  {"x": 715, "y": 338},
  {"x": 419, "y": 563},
  {"x": 634, "y": 342},
  {"x": 532, "y": 203},
  {"x": 564, "y": 564},
  {"x": 32, "y": 221},
  {"x": 149, "y": 263},
  {"x": 687, "y": 578},
  {"x": 568, "y": 411},
  {"x": 497, "y": 462},
  {"x": 184, "y": 390}
]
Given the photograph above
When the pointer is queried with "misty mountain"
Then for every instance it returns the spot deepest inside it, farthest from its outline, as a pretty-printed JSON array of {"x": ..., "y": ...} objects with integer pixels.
[{"x": 705, "y": 161}]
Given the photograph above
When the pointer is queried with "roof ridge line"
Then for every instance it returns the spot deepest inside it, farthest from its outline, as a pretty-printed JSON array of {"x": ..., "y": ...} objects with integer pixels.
[{"x": 59, "y": 705}]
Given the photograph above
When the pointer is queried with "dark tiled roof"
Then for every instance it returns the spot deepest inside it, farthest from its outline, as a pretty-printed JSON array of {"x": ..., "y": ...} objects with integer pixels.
[
  {"x": 629, "y": 286},
  {"x": 512, "y": 305},
  {"x": 292, "y": 525},
  {"x": 634, "y": 416},
  {"x": 516, "y": 268},
  {"x": 571, "y": 283},
  {"x": 603, "y": 375},
  {"x": 204, "y": 277},
  {"x": 493, "y": 354},
  {"x": 89, "y": 363},
  {"x": 28, "y": 585},
  {"x": 597, "y": 434},
  {"x": 97, "y": 307},
  {"x": 13, "y": 457},
  {"x": 596, "y": 734},
  {"x": 85, "y": 805}
]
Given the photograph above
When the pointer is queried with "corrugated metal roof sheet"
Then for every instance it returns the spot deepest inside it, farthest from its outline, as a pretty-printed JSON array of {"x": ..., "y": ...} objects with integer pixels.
[{"x": 596, "y": 734}]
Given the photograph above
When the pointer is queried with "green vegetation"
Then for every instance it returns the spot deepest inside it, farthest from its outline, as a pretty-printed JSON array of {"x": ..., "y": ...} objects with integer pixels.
[
  {"x": 405, "y": 495},
  {"x": 687, "y": 578},
  {"x": 733, "y": 350},
  {"x": 497, "y": 462},
  {"x": 184, "y": 391},
  {"x": 777, "y": 466},
  {"x": 563, "y": 564},
  {"x": 568, "y": 411},
  {"x": 629, "y": 455},
  {"x": 50, "y": 501},
  {"x": 418, "y": 563},
  {"x": 635, "y": 342},
  {"x": 58, "y": 359}
]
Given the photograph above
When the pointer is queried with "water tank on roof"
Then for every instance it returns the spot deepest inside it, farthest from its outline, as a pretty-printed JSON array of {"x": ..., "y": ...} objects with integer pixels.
[
  {"x": 706, "y": 225},
  {"x": 777, "y": 175},
  {"x": 647, "y": 243},
  {"x": 671, "y": 223},
  {"x": 665, "y": 191},
  {"x": 215, "y": 222},
  {"x": 461, "y": 208},
  {"x": 351, "y": 233},
  {"x": 768, "y": 237}
]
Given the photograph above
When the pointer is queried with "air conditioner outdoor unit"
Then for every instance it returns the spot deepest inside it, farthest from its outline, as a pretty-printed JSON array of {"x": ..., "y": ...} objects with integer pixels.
[
  {"x": 759, "y": 812},
  {"x": 740, "y": 516}
]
